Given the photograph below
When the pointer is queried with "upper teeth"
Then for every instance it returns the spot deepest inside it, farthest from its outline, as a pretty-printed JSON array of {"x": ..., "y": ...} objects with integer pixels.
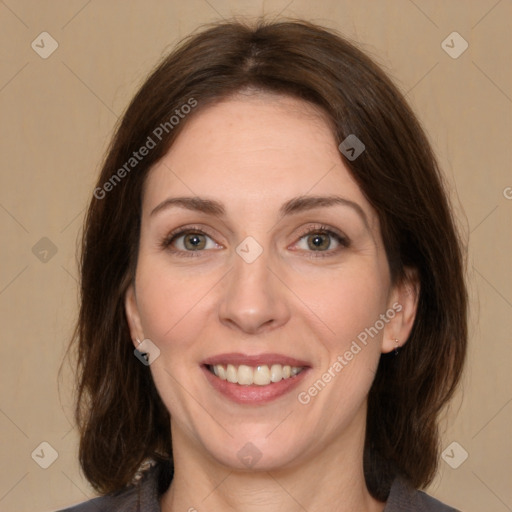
[{"x": 261, "y": 375}]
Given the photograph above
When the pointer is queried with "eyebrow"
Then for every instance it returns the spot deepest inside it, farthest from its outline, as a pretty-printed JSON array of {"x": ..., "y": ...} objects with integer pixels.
[{"x": 293, "y": 206}]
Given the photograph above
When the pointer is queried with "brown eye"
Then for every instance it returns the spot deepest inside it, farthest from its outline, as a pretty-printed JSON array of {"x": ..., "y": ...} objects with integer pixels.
[
  {"x": 319, "y": 241},
  {"x": 186, "y": 242},
  {"x": 322, "y": 241},
  {"x": 194, "y": 241}
]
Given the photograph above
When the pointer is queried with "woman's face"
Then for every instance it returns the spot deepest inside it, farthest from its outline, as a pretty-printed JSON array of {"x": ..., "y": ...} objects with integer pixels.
[{"x": 270, "y": 263}]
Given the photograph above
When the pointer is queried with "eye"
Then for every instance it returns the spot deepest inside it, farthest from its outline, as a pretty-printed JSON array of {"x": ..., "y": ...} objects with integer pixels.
[
  {"x": 188, "y": 240},
  {"x": 322, "y": 240},
  {"x": 318, "y": 241}
]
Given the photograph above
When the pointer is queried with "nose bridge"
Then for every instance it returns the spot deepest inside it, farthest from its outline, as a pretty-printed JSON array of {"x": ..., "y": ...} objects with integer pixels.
[{"x": 253, "y": 297}]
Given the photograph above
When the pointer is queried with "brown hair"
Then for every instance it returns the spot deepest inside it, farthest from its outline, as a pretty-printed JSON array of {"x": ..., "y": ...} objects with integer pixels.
[{"x": 122, "y": 419}]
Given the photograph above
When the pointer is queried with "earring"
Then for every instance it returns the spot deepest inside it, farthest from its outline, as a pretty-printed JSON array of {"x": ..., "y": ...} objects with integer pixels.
[{"x": 397, "y": 345}]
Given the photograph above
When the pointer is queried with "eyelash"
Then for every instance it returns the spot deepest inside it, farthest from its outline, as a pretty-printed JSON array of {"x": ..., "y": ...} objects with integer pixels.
[{"x": 321, "y": 229}]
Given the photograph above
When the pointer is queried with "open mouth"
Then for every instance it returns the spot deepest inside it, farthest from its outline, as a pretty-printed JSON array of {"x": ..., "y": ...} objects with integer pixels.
[
  {"x": 254, "y": 379},
  {"x": 260, "y": 375}
]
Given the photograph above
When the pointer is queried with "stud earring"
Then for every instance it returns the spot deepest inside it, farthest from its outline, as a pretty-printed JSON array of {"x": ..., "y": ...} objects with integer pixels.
[{"x": 397, "y": 345}]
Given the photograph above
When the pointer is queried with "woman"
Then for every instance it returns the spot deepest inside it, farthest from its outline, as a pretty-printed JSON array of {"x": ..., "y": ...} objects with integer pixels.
[{"x": 273, "y": 307}]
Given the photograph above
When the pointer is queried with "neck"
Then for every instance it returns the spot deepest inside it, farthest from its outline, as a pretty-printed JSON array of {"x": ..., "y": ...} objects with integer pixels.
[{"x": 332, "y": 480}]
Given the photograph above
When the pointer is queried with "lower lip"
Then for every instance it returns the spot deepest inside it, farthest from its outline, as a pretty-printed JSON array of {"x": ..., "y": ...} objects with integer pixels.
[{"x": 254, "y": 394}]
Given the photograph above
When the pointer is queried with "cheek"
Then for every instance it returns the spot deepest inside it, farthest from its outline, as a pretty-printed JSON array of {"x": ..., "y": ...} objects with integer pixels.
[
  {"x": 171, "y": 302},
  {"x": 336, "y": 304},
  {"x": 173, "y": 314},
  {"x": 345, "y": 302},
  {"x": 351, "y": 350},
  {"x": 347, "y": 307}
]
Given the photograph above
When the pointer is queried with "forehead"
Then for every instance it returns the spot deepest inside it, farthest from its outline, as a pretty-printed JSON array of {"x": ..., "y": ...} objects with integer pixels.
[{"x": 254, "y": 149}]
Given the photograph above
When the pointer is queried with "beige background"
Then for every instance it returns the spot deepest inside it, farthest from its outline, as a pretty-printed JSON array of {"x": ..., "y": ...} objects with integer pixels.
[{"x": 58, "y": 114}]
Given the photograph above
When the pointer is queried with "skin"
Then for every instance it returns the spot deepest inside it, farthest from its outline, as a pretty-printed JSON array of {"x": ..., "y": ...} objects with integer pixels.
[{"x": 253, "y": 152}]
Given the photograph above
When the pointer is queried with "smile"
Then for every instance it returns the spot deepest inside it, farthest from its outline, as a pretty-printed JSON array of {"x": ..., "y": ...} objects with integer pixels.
[
  {"x": 261, "y": 375},
  {"x": 254, "y": 379}
]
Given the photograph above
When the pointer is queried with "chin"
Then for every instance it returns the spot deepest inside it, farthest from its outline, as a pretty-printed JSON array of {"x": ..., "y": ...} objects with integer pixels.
[{"x": 256, "y": 452}]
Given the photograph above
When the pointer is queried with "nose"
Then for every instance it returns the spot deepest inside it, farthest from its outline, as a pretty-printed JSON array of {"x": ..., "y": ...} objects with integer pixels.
[{"x": 254, "y": 300}]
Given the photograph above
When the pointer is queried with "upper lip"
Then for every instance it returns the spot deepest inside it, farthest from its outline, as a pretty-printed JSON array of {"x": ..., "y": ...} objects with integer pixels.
[{"x": 237, "y": 358}]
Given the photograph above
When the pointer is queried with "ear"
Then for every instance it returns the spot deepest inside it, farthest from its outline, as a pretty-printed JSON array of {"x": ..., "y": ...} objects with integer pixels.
[
  {"x": 132, "y": 315},
  {"x": 404, "y": 302}
]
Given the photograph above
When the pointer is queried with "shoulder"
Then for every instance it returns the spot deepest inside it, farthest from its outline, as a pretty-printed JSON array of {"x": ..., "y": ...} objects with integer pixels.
[
  {"x": 404, "y": 498},
  {"x": 125, "y": 501},
  {"x": 143, "y": 496}
]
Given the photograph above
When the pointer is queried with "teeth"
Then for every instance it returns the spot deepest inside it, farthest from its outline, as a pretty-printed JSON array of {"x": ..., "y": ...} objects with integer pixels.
[
  {"x": 261, "y": 375},
  {"x": 276, "y": 372},
  {"x": 221, "y": 372},
  {"x": 231, "y": 374},
  {"x": 294, "y": 371},
  {"x": 245, "y": 375}
]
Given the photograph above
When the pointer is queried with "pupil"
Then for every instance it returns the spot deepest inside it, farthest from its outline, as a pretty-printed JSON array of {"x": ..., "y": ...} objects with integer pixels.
[
  {"x": 319, "y": 242},
  {"x": 194, "y": 241}
]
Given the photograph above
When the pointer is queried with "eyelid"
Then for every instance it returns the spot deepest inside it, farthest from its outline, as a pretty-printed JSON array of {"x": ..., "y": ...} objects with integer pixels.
[
  {"x": 340, "y": 237},
  {"x": 183, "y": 230},
  {"x": 322, "y": 228},
  {"x": 192, "y": 228}
]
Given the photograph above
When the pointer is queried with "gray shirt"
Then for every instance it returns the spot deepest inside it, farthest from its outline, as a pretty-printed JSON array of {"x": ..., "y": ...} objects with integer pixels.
[{"x": 145, "y": 497}]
